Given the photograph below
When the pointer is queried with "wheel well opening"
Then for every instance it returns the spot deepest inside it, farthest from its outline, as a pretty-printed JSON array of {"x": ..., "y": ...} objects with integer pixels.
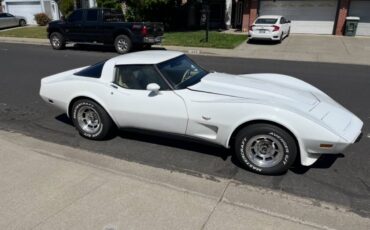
[
  {"x": 233, "y": 135},
  {"x": 76, "y": 99}
]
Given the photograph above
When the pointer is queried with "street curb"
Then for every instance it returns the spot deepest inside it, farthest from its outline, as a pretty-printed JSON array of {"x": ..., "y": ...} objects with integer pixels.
[
  {"x": 305, "y": 211},
  {"x": 231, "y": 53}
]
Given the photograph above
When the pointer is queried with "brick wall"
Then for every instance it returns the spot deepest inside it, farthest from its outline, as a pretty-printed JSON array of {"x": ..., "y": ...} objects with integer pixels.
[{"x": 342, "y": 14}]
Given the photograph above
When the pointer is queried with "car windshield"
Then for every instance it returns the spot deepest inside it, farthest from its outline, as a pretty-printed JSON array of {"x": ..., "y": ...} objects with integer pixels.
[
  {"x": 181, "y": 72},
  {"x": 266, "y": 21}
]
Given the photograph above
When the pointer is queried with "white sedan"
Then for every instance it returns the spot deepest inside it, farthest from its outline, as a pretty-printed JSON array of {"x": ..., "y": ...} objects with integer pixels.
[
  {"x": 269, "y": 27},
  {"x": 270, "y": 120}
]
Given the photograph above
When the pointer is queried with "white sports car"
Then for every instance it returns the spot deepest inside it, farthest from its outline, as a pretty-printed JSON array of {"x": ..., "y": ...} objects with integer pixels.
[{"x": 269, "y": 119}]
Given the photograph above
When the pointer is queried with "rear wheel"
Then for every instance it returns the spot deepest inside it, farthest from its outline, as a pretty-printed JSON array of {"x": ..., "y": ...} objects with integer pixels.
[
  {"x": 265, "y": 148},
  {"x": 91, "y": 120},
  {"x": 22, "y": 22},
  {"x": 57, "y": 41},
  {"x": 122, "y": 44}
]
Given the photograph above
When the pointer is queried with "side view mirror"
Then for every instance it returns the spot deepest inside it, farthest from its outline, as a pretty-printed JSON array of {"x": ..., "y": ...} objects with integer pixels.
[{"x": 153, "y": 87}]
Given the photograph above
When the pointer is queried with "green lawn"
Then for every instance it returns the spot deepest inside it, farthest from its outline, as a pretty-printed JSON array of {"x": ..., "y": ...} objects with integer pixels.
[
  {"x": 25, "y": 32},
  {"x": 196, "y": 39},
  {"x": 186, "y": 38}
]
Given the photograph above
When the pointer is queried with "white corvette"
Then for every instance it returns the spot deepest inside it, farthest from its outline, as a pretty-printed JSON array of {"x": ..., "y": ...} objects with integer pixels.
[{"x": 269, "y": 119}]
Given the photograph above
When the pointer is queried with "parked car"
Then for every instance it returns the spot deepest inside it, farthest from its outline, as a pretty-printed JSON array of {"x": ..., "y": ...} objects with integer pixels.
[
  {"x": 105, "y": 26},
  {"x": 269, "y": 27},
  {"x": 268, "y": 119},
  {"x": 9, "y": 20}
]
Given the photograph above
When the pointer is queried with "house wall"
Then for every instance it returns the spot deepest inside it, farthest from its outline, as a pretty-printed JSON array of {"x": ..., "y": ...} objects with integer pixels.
[{"x": 252, "y": 6}]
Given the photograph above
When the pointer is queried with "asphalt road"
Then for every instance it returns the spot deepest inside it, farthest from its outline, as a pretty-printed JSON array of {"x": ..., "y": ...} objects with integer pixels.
[{"x": 343, "y": 178}]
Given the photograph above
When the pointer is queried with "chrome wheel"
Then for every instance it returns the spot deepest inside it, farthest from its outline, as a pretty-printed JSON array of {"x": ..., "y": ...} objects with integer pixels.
[
  {"x": 264, "y": 151},
  {"x": 88, "y": 119},
  {"x": 55, "y": 41},
  {"x": 122, "y": 45}
]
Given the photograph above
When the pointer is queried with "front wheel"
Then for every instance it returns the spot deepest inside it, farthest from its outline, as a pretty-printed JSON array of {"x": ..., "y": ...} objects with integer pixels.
[
  {"x": 122, "y": 44},
  {"x": 57, "y": 41},
  {"x": 265, "y": 149},
  {"x": 91, "y": 120}
]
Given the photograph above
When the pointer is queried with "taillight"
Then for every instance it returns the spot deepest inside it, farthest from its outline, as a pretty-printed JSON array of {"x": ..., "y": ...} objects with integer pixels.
[
  {"x": 144, "y": 31},
  {"x": 251, "y": 27},
  {"x": 276, "y": 28}
]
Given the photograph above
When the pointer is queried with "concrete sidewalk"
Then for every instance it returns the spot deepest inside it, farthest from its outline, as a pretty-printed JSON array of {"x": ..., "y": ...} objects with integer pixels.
[
  {"x": 313, "y": 48},
  {"x": 49, "y": 186}
]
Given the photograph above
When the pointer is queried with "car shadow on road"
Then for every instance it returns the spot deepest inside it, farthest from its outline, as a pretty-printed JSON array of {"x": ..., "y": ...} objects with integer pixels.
[
  {"x": 159, "y": 138},
  {"x": 104, "y": 48},
  {"x": 324, "y": 162},
  {"x": 262, "y": 42},
  {"x": 175, "y": 141},
  {"x": 196, "y": 145}
]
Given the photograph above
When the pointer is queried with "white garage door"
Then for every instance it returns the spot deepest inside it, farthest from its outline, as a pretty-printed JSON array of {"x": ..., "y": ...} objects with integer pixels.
[
  {"x": 361, "y": 9},
  {"x": 25, "y": 9},
  {"x": 307, "y": 16}
]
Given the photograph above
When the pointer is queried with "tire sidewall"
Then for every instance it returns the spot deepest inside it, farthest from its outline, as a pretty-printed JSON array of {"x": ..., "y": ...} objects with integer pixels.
[
  {"x": 75, "y": 109},
  {"x": 287, "y": 142},
  {"x": 22, "y": 22},
  {"x": 128, "y": 41},
  {"x": 61, "y": 40}
]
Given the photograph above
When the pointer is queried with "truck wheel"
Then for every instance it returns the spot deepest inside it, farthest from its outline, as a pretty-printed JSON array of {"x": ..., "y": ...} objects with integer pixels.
[
  {"x": 123, "y": 44},
  {"x": 57, "y": 41},
  {"x": 265, "y": 149}
]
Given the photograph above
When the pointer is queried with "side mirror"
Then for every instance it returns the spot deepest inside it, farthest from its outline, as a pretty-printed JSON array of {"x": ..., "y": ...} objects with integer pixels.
[{"x": 153, "y": 87}]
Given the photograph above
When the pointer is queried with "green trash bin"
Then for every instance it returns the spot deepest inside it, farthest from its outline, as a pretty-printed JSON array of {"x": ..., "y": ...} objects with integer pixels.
[{"x": 351, "y": 26}]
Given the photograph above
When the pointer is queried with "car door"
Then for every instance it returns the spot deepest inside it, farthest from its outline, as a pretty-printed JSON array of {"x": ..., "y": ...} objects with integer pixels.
[
  {"x": 73, "y": 27},
  {"x": 3, "y": 23},
  {"x": 134, "y": 106},
  {"x": 90, "y": 26},
  {"x": 284, "y": 25}
]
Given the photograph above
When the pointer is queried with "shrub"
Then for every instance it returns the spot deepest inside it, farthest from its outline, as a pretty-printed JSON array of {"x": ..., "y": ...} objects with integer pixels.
[{"x": 42, "y": 19}]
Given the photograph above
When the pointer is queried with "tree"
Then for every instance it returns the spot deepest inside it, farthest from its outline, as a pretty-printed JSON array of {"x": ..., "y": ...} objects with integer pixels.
[
  {"x": 66, "y": 6},
  {"x": 109, "y": 4}
]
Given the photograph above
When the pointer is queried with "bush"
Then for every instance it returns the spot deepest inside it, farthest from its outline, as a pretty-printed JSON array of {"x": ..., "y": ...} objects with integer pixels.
[
  {"x": 42, "y": 19},
  {"x": 66, "y": 6}
]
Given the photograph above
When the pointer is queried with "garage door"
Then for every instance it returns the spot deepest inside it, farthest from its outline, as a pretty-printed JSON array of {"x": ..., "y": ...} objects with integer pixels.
[
  {"x": 307, "y": 16},
  {"x": 361, "y": 9},
  {"x": 25, "y": 9}
]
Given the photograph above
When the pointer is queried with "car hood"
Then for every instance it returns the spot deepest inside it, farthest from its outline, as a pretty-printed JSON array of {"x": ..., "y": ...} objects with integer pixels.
[{"x": 252, "y": 87}]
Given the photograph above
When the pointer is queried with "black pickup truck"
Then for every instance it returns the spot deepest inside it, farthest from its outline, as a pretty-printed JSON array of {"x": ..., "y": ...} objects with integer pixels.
[{"x": 105, "y": 26}]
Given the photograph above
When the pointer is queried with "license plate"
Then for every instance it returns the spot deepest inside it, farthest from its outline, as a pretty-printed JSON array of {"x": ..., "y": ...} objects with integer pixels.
[
  {"x": 158, "y": 39},
  {"x": 262, "y": 31}
]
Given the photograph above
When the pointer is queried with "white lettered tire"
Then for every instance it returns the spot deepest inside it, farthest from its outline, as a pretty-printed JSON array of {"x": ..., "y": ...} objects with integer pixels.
[
  {"x": 91, "y": 120},
  {"x": 265, "y": 148}
]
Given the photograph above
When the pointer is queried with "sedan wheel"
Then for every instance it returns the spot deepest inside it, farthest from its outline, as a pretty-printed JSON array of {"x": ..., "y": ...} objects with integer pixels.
[
  {"x": 91, "y": 120},
  {"x": 265, "y": 148},
  {"x": 22, "y": 22}
]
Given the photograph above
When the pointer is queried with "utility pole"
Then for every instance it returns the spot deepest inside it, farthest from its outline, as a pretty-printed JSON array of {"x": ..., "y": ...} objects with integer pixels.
[{"x": 204, "y": 20}]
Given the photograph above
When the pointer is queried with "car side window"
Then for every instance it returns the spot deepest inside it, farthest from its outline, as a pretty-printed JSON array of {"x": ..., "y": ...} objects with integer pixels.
[
  {"x": 138, "y": 77},
  {"x": 9, "y": 15},
  {"x": 2, "y": 15},
  {"x": 75, "y": 16},
  {"x": 92, "y": 15}
]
